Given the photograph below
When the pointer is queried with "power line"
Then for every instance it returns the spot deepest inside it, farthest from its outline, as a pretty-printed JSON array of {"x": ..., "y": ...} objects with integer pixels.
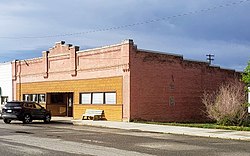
[{"x": 130, "y": 25}]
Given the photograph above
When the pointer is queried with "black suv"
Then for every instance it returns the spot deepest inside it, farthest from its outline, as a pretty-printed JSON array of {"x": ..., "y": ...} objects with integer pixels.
[{"x": 25, "y": 111}]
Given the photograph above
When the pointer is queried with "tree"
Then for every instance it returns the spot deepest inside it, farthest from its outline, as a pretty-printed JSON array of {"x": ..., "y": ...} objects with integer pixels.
[
  {"x": 246, "y": 75},
  {"x": 246, "y": 79}
]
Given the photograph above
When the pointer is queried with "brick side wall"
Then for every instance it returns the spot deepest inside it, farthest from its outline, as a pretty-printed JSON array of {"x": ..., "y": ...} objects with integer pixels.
[
  {"x": 112, "y": 112},
  {"x": 168, "y": 88}
]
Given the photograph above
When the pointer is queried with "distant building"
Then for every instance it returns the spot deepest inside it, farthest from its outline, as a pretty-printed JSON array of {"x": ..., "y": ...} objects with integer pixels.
[
  {"x": 5, "y": 82},
  {"x": 126, "y": 82}
]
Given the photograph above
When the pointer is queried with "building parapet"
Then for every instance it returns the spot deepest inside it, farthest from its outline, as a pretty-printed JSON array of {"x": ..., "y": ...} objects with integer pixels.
[
  {"x": 159, "y": 52},
  {"x": 185, "y": 59}
]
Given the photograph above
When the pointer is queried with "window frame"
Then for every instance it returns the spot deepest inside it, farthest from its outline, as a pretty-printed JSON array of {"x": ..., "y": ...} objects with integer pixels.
[
  {"x": 30, "y": 97},
  {"x": 80, "y": 101},
  {"x": 94, "y": 102},
  {"x": 104, "y": 98},
  {"x": 39, "y": 98}
]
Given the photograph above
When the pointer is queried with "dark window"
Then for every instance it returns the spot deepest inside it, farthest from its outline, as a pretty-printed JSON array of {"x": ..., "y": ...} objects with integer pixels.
[{"x": 56, "y": 98}]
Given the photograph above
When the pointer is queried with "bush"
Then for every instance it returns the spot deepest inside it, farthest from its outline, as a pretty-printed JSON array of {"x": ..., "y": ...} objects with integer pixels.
[{"x": 228, "y": 105}]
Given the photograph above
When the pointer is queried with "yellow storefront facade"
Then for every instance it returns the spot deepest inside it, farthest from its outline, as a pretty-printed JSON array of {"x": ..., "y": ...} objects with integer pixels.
[{"x": 104, "y": 85}]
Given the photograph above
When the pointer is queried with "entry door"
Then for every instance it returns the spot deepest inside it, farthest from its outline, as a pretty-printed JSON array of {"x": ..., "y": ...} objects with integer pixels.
[{"x": 70, "y": 105}]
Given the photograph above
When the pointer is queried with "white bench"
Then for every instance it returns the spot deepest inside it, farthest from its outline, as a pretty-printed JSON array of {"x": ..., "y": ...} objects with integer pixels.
[{"x": 93, "y": 114}]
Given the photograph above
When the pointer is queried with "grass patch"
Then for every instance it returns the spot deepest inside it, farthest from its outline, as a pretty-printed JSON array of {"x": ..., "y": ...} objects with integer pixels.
[{"x": 200, "y": 125}]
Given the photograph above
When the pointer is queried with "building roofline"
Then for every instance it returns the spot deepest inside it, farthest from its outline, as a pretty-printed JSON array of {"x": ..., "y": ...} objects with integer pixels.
[
  {"x": 99, "y": 48},
  {"x": 193, "y": 60},
  {"x": 140, "y": 50},
  {"x": 227, "y": 69},
  {"x": 159, "y": 52},
  {"x": 5, "y": 63},
  {"x": 30, "y": 59},
  {"x": 185, "y": 59}
]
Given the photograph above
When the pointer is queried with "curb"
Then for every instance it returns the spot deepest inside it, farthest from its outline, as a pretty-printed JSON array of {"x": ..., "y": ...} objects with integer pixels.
[{"x": 178, "y": 130}]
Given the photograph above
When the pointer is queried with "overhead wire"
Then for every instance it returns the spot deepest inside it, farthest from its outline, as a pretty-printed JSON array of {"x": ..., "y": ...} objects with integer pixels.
[{"x": 129, "y": 25}]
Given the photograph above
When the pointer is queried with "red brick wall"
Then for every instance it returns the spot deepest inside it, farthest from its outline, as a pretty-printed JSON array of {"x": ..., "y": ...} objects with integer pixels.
[{"x": 157, "y": 79}]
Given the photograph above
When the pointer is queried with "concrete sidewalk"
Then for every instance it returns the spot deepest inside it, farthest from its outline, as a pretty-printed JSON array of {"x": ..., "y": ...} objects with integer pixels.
[
  {"x": 65, "y": 120},
  {"x": 201, "y": 132}
]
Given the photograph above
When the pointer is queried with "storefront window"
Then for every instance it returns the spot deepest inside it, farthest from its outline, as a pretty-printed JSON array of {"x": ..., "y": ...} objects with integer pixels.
[
  {"x": 34, "y": 97},
  {"x": 26, "y": 97},
  {"x": 98, "y": 98},
  {"x": 85, "y": 98},
  {"x": 110, "y": 98},
  {"x": 39, "y": 98}
]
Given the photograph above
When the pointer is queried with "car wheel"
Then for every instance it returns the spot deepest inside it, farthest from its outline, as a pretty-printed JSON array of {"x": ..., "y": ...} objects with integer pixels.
[
  {"x": 27, "y": 119},
  {"x": 47, "y": 118},
  {"x": 7, "y": 121}
]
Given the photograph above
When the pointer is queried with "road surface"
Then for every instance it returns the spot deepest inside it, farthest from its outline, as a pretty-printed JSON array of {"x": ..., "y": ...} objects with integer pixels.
[{"x": 57, "y": 139}]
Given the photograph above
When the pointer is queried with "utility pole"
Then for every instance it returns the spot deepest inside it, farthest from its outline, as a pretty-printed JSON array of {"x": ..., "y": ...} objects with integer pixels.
[{"x": 210, "y": 58}]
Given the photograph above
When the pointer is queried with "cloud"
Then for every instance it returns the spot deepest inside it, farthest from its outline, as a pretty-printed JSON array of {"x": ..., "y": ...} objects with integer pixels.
[{"x": 222, "y": 31}]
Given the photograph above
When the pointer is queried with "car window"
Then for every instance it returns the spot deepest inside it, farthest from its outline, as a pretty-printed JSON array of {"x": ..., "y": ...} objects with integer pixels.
[
  {"x": 28, "y": 105},
  {"x": 12, "y": 104},
  {"x": 25, "y": 105},
  {"x": 37, "y": 106}
]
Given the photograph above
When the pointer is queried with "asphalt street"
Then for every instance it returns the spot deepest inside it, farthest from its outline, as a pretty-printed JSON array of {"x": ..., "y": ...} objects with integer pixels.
[{"x": 59, "y": 139}]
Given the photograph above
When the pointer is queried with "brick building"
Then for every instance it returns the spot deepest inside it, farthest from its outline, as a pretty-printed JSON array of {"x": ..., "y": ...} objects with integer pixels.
[{"x": 126, "y": 82}]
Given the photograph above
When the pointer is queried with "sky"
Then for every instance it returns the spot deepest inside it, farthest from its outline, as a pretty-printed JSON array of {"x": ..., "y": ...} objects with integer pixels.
[{"x": 192, "y": 28}]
